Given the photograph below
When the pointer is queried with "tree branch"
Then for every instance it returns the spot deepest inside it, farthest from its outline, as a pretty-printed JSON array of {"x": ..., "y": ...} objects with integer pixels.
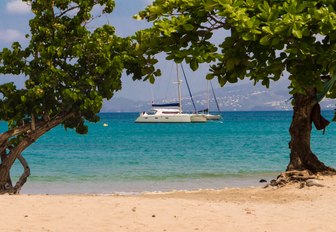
[
  {"x": 24, "y": 176},
  {"x": 14, "y": 132},
  {"x": 67, "y": 11},
  {"x": 33, "y": 136}
]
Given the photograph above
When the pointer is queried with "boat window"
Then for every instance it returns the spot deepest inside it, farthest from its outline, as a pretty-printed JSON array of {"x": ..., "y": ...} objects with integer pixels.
[
  {"x": 170, "y": 112},
  {"x": 152, "y": 112}
]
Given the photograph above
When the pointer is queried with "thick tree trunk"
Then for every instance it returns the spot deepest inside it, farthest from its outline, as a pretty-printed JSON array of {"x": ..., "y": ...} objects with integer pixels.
[
  {"x": 301, "y": 156},
  {"x": 7, "y": 185}
]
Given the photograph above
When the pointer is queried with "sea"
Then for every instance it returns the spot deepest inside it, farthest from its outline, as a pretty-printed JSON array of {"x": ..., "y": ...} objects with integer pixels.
[{"x": 119, "y": 156}]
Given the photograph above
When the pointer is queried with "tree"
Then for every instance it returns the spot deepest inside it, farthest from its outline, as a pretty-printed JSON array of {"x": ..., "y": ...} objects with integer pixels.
[
  {"x": 69, "y": 70},
  {"x": 264, "y": 40}
]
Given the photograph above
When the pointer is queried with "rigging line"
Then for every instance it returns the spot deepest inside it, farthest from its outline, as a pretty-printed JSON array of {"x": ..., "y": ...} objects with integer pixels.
[
  {"x": 185, "y": 78},
  {"x": 215, "y": 97}
]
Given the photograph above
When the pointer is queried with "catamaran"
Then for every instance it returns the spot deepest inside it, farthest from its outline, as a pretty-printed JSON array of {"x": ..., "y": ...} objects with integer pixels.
[{"x": 170, "y": 113}]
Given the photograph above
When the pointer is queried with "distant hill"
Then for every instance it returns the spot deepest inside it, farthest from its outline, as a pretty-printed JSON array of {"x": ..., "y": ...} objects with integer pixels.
[
  {"x": 243, "y": 97},
  {"x": 122, "y": 105}
]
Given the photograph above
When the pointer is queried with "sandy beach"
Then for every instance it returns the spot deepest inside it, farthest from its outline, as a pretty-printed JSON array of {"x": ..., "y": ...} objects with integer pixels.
[{"x": 237, "y": 209}]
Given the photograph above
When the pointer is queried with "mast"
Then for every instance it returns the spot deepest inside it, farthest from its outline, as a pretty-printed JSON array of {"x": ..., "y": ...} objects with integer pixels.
[
  {"x": 213, "y": 92},
  {"x": 208, "y": 96},
  {"x": 179, "y": 89}
]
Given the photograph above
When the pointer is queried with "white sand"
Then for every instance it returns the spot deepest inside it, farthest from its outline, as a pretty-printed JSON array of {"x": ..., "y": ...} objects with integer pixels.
[{"x": 244, "y": 209}]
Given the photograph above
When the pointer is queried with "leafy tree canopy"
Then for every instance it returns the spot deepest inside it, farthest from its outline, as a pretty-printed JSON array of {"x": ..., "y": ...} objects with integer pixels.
[
  {"x": 69, "y": 68},
  {"x": 264, "y": 38}
]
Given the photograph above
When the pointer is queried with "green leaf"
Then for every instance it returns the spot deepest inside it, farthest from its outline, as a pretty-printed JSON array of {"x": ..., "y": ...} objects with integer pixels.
[
  {"x": 296, "y": 32},
  {"x": 137, "y": 17},
  {"x": 188, "y": 27},
  {"x": 280, "y": 28},
  {"x": 266, "y": 40},
  {"x": 230, "y": 63},
  {"x": 151, "y": 79},
  {"x": 23, "y": 99},
  {"x": 210, "y": 5},
  {"x": 267, "y": 29},
  {"x": 266, "y": 82},
  {"x": 247, "y": 36},
  {"x": 210, "y": 76},
  {"x": 194, "y": 64}
]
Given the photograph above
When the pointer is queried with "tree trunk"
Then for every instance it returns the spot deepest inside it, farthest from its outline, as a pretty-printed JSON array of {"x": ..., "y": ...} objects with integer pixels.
[
  {"x": 15, "y": 152},
  {"x": 301, "y": 156},
  {"x": 7, "y": 185}
]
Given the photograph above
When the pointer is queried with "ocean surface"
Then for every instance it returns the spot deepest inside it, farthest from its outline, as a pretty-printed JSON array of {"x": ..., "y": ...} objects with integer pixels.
[{"x": 129, "y": 158}]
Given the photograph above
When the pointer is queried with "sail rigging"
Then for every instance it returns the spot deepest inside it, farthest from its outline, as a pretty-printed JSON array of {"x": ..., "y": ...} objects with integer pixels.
[
  {"x": 171, "y": 112},
  {"x": 190, "y": 94},
  {"x": 213, "y": 92}
]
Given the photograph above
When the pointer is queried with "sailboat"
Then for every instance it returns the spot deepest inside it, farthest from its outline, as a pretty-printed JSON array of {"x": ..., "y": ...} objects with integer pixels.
[
  {"x": 205, "y": 112},
  {"x": 208, "y": 115},
  {"x": 170, "y": 113}
]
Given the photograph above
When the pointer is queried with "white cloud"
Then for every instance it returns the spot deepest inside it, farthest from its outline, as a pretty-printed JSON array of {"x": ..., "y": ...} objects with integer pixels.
[
  {"x": 17, "y": 7},
  {"x": 11, "y": 35}
]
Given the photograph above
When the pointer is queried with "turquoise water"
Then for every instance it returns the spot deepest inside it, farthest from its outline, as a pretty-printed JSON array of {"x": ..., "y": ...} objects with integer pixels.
[{"x": 128, "y": 157}]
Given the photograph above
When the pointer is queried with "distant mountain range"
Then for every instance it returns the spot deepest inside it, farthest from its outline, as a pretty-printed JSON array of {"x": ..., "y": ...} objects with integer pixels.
[{"x": 243, "y": 97}]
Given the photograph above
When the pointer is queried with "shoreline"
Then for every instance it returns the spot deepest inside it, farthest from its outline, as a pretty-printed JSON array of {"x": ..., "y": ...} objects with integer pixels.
[
  {"x": 231, "y": 209},
  {"x": 139, "y": 187}
]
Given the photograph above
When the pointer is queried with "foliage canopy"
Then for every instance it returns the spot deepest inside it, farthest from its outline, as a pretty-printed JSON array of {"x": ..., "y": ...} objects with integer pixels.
[
  {"x": 258, "y": 39},
  {"x": 69, "y": 68}
]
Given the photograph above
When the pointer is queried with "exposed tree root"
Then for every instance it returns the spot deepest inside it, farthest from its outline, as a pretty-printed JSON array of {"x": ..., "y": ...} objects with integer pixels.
[{"x": 302, "y": 178}]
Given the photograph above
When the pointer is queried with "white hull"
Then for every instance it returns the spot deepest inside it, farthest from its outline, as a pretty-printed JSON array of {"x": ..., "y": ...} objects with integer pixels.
[
  {"x": 178, "y": 118},
  {"x": 213, "y": 117},
  {"x": 198, "y": 118},
  {"x": 163, "y": 118}
]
